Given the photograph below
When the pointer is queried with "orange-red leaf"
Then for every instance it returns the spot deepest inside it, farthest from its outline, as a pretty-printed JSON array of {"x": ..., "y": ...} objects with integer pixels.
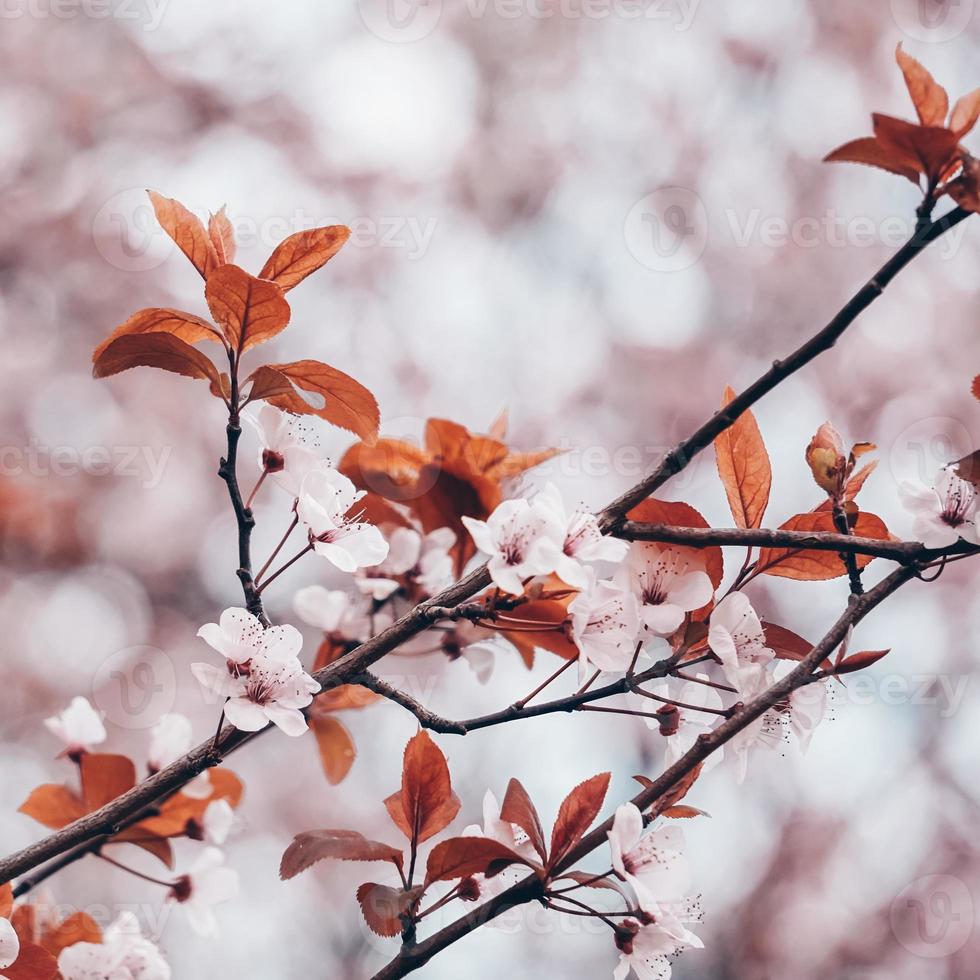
[
  {"x": 576, "y": 814},
  {"x": 222, "y": 237},
  {"x": 814, "y": 566},
  {"x": 928, "y": 96},
  {"x": 339, "y": 845},
  {"x": 181, "y": 809},
  {"x": 871, "y": 152},
  {"x": 298, "y": 255},
  {"x": 382, "y": 907},
  {"x": 426, "y": 803},
  {"x": 785, "y": 643},
  {"x": 460, "y": 857},
  {"x": 346, "y": 402},
  {"x": 32, "y": 963},
  {"x": 187, "y": 231},
  {"x": 189, "y": 328},
  {"x": 965, "y": 113},
  {"x": 934, "y": 147},
  {"x": 6, "y": 900},
  {"x": 105, "y": 777},
  {"x": 77, "y": 928},
  {"x": 518, "y": 809},
  {"x": 249, "y": 311},
  {"x": 159, "y": 350},
  {"x": 858, "y": 661},
  {"x": 744, "y": 468},
  {"x": 337, "y": 750},
  {"x": 675, "y": 794},
  {"x": 53, "y": 806}
]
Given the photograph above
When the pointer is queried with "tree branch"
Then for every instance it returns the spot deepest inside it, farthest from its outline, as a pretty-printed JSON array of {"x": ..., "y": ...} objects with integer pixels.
[
  {"x": 107, "y": 819},
  {"x": 531, "y": 888},
  {"x": 706, "y": 537},
  {"x": 680, "y": 456}
]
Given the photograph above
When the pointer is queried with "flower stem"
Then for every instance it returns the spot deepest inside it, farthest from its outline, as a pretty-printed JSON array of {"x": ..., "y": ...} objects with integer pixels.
[
  {"x": 279, "y": 546},
  {"x": 276, "y": 574},
  {"x": 519, "y": 705},
  {"x": 133, "y": 871}
]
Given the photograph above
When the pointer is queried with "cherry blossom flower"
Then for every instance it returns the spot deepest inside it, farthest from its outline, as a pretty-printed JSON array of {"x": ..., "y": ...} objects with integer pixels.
[
  {"x": 268, "y": 686},
  {"x": 237, "y": 636},
  {"x": 646, "y": 949},
  {"x": 944, "y": 513},
  {"x": 807, "y": 708},
  {"x": 767, "y": 731},
  {"x": 325, "y": 498},
  {"x": 421, "y": 561},
  {"x": 123, "y": 954},
  {"x": 667, "y": 582},
  {"x": 736, "y": 637},
  {"x": 79, "y": 727},
  {"x": 9, "y": 944},
  {"x": 582, "y": 540},
  {"x": 654, "y": 864},
  {"x": 282, "y": 453},
  {"x": 171, "y": 738},
  {"x": 333, "y": 611},
  {"x": 207, "y": 884},
  {"x": 219, "y": 818},
  {"x": 605, "y": 624},
  {"x": 504, "y": 833},
  {"x": 689, "y": 723},
  {"x": 516, "y": 537}
]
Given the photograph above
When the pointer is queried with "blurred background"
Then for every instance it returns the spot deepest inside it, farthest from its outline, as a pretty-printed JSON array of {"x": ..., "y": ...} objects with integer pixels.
[{"x": 593, "y": 214}]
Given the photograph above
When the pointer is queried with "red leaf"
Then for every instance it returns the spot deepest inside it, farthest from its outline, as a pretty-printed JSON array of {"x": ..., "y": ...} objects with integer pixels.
[
  {"x": 929, "y": 98},
  {"x": 298, "y": 255},
  {"x": 337, "y": 750},
  {"x": 105, "y": 777},
  {"x": 858, "y": 661},
  {"x": 810, "y": 565},
  {"x": 871, "y": 152},
  {"x": 965, "y": 113},
  {"x": 460, "y": 857},
  {"x": 518, "y": 809},
  {"x": 32, "y": 963},
  {"x": 53, "y": 806},
  {"x": 249, "y": 311},
  {"x": 187, "y": 231},
  {"x": 189, "y": 328},
  {"x": 159, "y": 350},
  {"x": 382, "y": 907},
  {"x": 744, "y": 468},
  {"x": 346, "y": 402},
  {"x": 222, "y": 237},
  {"x": 77, "y": 928},
  {"x": 426, "y": 803},
  {"x": 576, "y": 814},
  {"x": 340, "y": 845}
]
